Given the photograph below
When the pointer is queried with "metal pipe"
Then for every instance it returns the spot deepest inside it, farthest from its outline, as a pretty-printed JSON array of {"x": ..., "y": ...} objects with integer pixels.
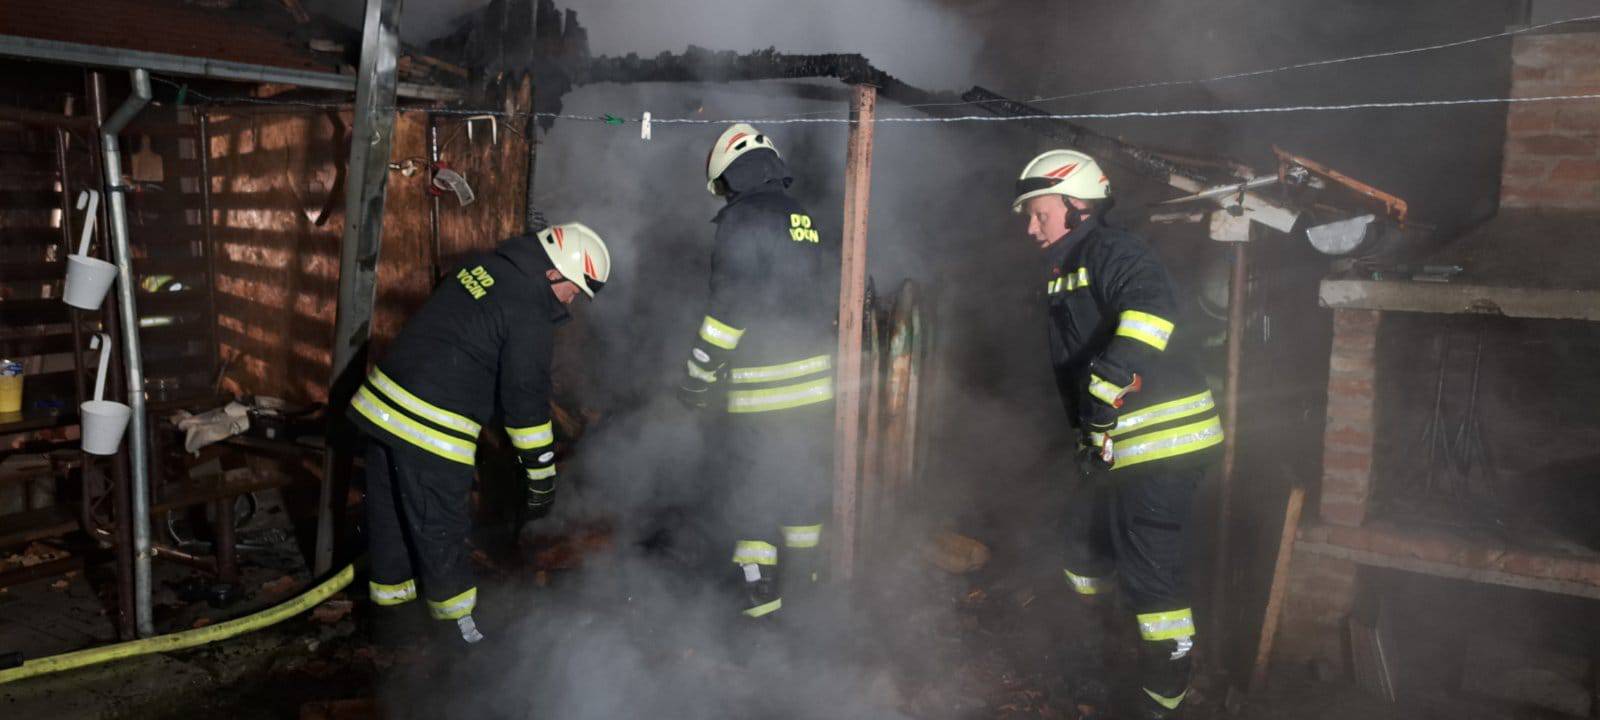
[
  {"x": 123, "y": 509},
  {"x": 123, "y": 58},
  {"x": 138, "y": 430},
  {"x": 209, "y": 245},
  {"x": 435, "y": 256},
  {"x": 1221, "y": 580}
]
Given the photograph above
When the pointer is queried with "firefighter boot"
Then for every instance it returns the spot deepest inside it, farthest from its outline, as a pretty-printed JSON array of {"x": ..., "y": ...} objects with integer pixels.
[
  {"x": 1164, "y": 668},
  {"x": 396, "y": 627}
]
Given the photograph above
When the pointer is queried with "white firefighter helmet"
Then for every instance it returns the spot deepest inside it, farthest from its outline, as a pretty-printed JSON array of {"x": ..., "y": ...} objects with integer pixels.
[
  {"x": 578, "y": 254},
  {"x": 1061, "y": 172},
  {"x": 737, "y": 140}
]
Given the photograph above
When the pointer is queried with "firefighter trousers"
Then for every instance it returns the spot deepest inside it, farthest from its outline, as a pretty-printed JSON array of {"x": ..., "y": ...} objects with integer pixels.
[
  {"x": 418, "y": 516},
  {"x": 777, "y": 487},
  {"x": 1131, "y": 528}
]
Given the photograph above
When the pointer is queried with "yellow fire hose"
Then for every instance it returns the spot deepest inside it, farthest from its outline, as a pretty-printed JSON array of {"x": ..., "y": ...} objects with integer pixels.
[{"x": 186, "y": 638}]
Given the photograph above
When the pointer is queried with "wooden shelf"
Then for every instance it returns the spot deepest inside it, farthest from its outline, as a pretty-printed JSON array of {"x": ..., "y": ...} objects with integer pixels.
[
  {"x": 1456, "y": 555},
  {"x": 1453, "y": 298}
]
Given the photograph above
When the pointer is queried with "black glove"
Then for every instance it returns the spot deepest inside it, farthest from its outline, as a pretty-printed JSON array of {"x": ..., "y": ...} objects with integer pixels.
[
  {"x": 694, "y": 393},
  {"x": 1098, "y": 420}
]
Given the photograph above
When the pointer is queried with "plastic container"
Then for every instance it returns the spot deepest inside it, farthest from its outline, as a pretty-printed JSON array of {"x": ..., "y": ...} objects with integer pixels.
[
  {"x": 10, "y": 386},
  {"x": 103, "y": 421},
  {"x": 88, "y": 278}
]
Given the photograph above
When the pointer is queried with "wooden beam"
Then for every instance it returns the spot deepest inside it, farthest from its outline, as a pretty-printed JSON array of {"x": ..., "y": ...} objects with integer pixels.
[
  {"x": 852, "y": 297},
  {"x": 1453, "y": 298},
  {"x": 1448, "y": 570},
  {"x": 1279, "y": 589}
]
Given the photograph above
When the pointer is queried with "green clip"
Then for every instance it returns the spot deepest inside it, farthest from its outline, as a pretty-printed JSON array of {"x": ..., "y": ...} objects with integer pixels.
[{"x": 613, "y": 120}]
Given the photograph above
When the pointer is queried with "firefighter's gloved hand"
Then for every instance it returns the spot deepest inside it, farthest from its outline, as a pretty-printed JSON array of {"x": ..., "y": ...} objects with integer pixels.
[
  {"x": 1098, "y": 420},
  {"x": 694, "y": 393}
]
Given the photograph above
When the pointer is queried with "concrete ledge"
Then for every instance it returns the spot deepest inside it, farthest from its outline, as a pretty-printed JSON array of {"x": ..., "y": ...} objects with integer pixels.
[
  {"x": 1444, "y": 554},
  {"x": 1452, "y": 298}
]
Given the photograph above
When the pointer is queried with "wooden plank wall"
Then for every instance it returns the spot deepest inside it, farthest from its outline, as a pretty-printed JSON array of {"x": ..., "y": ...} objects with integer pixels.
[{"x": 278, "y": 196}]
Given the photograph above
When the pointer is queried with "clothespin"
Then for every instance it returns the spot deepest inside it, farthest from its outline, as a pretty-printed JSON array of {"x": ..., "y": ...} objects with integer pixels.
[{"x": 644, "y": 126}]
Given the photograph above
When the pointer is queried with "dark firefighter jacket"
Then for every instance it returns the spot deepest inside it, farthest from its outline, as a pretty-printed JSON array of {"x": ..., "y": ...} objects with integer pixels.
[
  {"x": 1112, "y": 315},
  {"x": 482, "y": 341},
  {"x": 768, "y": 333}
]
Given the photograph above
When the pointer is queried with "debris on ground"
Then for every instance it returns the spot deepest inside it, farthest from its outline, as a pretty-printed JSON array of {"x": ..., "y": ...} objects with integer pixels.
[
  {"x": 354, "y": 709},
  {"x": 566, "y": 552},
  {"x": 332, "y": 611},
  {"x": 281, "y": 585},
  {"x": 954, "y": 553},
  {"x": 34, "y": 554}
]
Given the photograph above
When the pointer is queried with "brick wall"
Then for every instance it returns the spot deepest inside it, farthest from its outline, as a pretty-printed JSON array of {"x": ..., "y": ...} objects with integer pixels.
[
  {"x": 1321, "y": 595},
  {"x": 1347, "y": 438},
  {"x": 1552, "y": 152}
]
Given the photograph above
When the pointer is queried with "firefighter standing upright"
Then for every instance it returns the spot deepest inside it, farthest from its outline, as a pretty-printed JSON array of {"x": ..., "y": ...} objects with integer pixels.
[
  {"x": 482, "y": 342},
  {"x": 1148, "y": 424},
  {"x": 764, "y": 355}
]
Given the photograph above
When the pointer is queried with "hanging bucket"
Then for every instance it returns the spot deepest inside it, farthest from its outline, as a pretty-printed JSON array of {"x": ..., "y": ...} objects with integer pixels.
[{"x": 103, "y": 421}]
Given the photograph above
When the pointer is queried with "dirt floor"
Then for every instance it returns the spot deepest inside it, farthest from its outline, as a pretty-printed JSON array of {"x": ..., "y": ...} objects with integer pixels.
[{"x": 597, "y": 621}]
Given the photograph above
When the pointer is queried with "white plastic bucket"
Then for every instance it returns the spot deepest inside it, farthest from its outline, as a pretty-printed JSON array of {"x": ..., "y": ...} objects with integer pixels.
[
  {"x": 103, "y": 424},
  {"x": 88, "y": 279}
]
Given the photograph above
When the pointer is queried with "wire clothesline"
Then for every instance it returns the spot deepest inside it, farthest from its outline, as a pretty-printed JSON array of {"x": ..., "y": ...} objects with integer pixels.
[{"x": 811, "y": 118}]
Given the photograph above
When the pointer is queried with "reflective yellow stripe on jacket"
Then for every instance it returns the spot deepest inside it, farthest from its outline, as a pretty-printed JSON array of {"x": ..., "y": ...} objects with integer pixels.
[{"x": 402, "y": 426}]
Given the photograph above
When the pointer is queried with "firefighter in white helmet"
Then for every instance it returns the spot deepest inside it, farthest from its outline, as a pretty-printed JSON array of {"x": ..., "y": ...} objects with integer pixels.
[
  {"x": 1147, "y": 424},
  {"x": 479, "y": 346},
  {"x": 763, "y": 361}
]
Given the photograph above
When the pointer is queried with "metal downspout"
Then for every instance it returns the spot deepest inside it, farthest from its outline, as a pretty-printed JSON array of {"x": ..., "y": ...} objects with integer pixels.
[{"x": 139, "y": 440}]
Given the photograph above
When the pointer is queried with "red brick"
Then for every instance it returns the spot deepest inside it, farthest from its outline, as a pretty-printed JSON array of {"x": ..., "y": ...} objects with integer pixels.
[
  {"x": 1353, "y": 362},
  {"x": 1576, "y": 171},
  {"x": 1527, "y": 168},
  {"x": 1525, "y": 73},
  {"x": 1553, "y": 145},
  {"x": 1351, "y": 389},
  {"x": 1350, "y": 537},
  {"x": 1349, "y": 411},
  {"x": 1334, "y": 459},
  {"x": 1345, "y": 483},
  {"x": 1345, "y": 436},
  {"x": 1355, "y": 320},
  {"x": 1350, "y": 514}
]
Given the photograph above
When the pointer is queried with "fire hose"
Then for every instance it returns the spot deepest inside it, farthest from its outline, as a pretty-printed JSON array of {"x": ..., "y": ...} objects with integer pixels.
[{"x": 186, "y": 638}]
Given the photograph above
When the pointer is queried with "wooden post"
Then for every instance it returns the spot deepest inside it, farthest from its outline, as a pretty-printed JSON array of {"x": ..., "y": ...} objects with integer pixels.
[
  {"x": 1279, "y": 588},
  {"x": 1221, "y": 578},
  {"x": 852, "y": 297}
]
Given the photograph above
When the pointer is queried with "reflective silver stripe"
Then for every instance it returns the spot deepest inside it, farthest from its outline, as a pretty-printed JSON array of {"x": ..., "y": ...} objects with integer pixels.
[
  {"x": 781, "y": 398},
  {"x": 410, "y": 430},
  {"x": 802, "y": 536},
  {"x": 754, "y": 552},
  {"x": 418, "y": 406},
  {"x": 1167, "y": 625},
  {"x": 696, "y": 372},
  {"x": 1088, "y": 585},
  {"x": 720, "y": 334},
  {"x": 1169, "y": 443},
  {"x": 541, "y": 473},
  {"x": 786, "y": 371},
  {"x": 530, "y": 438},
  {"x": 1193, "y": 405},
  {"x": 392, "y": 594},
  {"x": 457, "y": 607},
  {"x": 1104, "y": 390}
]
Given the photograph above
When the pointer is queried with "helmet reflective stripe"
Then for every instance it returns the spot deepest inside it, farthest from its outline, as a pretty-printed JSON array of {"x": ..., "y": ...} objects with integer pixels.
[
  {"x": 737, "y": 140},
  {"x": 578, "y": 254},
  {"x": 1061, "y": 172}
]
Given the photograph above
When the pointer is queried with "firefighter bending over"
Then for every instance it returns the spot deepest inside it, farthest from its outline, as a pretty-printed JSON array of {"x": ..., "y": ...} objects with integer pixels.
[{"x": 482, "y": 342}]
